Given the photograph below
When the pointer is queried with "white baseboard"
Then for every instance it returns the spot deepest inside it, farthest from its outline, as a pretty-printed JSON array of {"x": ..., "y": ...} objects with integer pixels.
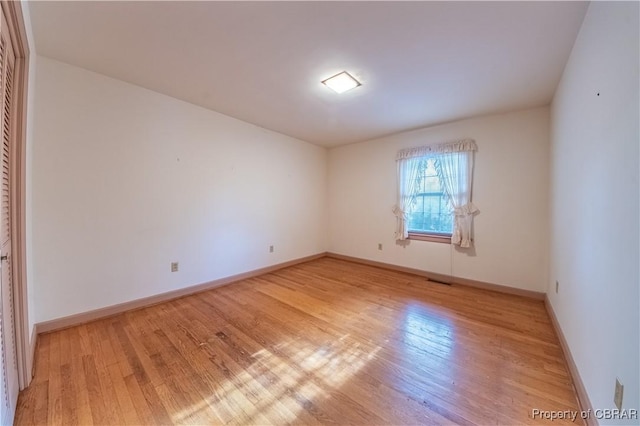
[
  {"x": 581, "y": 391},
  {"x": 84, "y": 317},
  {"x": 443, "y": 278}
]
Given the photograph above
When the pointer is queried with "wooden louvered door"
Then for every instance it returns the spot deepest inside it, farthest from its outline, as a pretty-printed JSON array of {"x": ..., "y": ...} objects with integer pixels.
[{"x": 7, "y": 321}]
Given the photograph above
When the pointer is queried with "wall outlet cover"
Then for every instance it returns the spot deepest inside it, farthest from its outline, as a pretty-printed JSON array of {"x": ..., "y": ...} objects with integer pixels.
[{"x": 174, "y": 266}]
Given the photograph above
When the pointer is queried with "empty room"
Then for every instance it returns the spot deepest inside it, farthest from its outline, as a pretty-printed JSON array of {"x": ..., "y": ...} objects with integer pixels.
[{"x": 369, "y": 213}]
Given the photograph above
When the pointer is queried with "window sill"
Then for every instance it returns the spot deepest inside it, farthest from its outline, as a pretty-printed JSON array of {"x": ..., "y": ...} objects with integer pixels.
[{"x": 434, "y": 238}]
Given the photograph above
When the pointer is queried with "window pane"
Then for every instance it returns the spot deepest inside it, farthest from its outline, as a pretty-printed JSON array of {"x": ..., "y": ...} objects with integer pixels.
[{"x": 431, "y": 211}]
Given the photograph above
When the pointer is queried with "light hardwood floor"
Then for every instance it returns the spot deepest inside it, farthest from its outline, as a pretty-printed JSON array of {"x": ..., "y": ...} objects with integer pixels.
[{"x": 327, "y": 341}]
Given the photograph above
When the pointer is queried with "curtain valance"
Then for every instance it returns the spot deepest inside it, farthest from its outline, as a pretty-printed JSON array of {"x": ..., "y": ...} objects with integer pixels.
[{"x": 442, "y": 148}]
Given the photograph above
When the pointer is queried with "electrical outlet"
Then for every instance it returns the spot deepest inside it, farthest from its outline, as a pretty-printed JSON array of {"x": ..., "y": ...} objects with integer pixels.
[
  {"x": 617, "y": 396},
  {"x": 379, "y": 246},
  {"x": 174, "y": 266},
  {"x": 557, "y": 286},
  {"x": 270, "y": 249}
]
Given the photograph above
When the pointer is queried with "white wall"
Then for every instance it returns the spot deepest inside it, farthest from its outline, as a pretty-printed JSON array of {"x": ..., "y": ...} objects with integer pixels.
[
  {"x": 510, "y": 189},
  {"x": 126, "y": 180},
  {"x": 594, "y": 203}
]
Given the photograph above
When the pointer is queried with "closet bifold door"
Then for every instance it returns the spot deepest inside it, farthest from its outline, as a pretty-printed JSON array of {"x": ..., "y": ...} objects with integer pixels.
[{"x": 10, "y": 386}]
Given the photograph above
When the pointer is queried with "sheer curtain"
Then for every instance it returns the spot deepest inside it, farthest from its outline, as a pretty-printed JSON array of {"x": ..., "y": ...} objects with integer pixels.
[
  {"x": 455, "y": 170},
  {"x": 408, "y": 183},
  {"x": 454, "y": 165}
]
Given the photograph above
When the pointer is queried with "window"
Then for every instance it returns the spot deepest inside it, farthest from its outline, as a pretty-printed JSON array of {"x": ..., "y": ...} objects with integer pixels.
[
  {"x": 431, "y": 213},
  {"x": 434, "y": 193}
]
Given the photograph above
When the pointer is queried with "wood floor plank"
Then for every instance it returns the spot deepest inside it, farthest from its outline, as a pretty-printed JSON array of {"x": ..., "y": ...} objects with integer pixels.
[
  {"x": 325, "y": 342},
  {"x": 76, "y": 337},
  {"x": 125, "y": 403},
  {"x": 143, "y": 409},
  {"x": 54, "y": 415}
]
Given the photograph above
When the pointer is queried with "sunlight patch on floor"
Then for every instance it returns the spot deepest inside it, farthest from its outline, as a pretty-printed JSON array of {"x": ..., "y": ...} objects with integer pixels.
[{"x": 279, "y": 381}]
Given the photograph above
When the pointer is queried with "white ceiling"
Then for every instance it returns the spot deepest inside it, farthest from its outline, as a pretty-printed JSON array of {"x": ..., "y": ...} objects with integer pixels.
[{"x": 420, "y": 63}]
